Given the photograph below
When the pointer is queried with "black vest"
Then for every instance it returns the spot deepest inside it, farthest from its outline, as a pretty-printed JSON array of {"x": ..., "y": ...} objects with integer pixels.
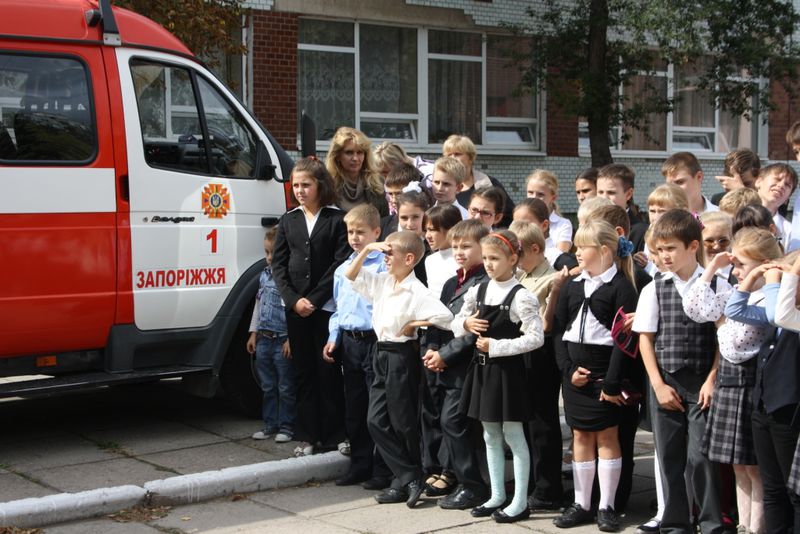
[
  {"x": 778, "y": 373},
  {"x": 681, "y": 342}
]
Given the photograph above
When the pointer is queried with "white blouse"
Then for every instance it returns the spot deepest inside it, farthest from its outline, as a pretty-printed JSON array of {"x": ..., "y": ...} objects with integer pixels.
[
  {"x": 524, "y": 309},
  {"x": 594, "y": 333},
  {"x": 786, "y": 313},
  {"x": 439, "y": 268},
  {"x": 738, "y": 342},
  {"x": 560, "y": 228},
  {"x": 551, "y": 252}
]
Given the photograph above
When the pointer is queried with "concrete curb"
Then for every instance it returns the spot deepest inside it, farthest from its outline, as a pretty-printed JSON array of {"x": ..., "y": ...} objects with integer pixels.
[
  {"x": 61, "y": 507},
  {"x": 41, "y": 511},
  {"x": 246, "y": 479}
]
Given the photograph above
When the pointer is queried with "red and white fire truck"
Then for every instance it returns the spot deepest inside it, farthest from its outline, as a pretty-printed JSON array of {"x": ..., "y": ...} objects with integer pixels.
[{"x": 134, "y": 192}]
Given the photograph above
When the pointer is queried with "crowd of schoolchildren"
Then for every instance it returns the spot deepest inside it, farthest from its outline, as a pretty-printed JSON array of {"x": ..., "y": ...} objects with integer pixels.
[{"x": 412, "y": 317}]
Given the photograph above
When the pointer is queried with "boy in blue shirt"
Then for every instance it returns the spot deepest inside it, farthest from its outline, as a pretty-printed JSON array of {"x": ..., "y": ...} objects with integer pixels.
[
  {"x": 352, "y": 338},
  {"x": 269, "y": 342}
]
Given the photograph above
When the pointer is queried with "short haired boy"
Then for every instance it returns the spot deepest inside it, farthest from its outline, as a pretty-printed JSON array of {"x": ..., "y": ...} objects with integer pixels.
[
  {"x": 269, "y": 341},
  {"x": 400, "y": 305},
  {"x": 449, "y": 358},
  {"x": 448, "y": 179},
  {"x": 352, "y": 338},
  {"x": 740, "y": 171},
  {"x": 793, "y": 139},
  {"x": 681, "y": 358},
  {"x": 615, "y": 182},
  {"x": 683, "y": 170}
]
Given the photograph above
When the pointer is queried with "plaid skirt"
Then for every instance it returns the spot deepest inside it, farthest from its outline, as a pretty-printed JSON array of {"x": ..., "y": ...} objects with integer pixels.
[
  {"x": 794, "y": 474},
  {"x": 729, "y": 431}
]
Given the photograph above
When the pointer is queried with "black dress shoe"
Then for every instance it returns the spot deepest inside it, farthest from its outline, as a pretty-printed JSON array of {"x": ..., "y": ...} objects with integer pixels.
[
  {"x": 543, "y": 505},
  {"x": 573, "y": 516},
  {"x": 500, "y": 516},
  {"x": 461, "y": 499},
  {"x": 414, "y": 492},
  {"x": 350, "y": 479},
  {"x": 484, "y": 511},
  {"x": 392, "y": 496},
  {"x": 376, "y": 483},
  {"x": 607, "y": 520}
]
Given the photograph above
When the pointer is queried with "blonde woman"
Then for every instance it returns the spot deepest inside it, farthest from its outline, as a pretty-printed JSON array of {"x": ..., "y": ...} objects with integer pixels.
[
  {"x": 350, "y": 164},
  {"x": 462, "y": 148}
]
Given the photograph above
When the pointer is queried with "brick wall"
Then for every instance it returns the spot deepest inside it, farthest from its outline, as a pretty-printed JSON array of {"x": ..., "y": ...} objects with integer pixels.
[
  {"x": 562, "y": 130},
  {"x": 275, "y": 74},
  {"x": 785, "y": 114}
]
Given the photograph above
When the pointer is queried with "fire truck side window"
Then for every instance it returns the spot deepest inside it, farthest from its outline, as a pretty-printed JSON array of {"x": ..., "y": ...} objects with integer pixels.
[
  {"x": 172, "y": 103},
  {"x": 45, "y": 110}
]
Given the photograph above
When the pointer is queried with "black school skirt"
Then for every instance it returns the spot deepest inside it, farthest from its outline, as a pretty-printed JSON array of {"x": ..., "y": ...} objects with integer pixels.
[
  {"x": 583, "y": 408},
  {"x": 497, "y": 390}
]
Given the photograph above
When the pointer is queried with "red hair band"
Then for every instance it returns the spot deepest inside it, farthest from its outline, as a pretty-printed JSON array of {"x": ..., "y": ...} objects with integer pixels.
[{"x": 502, "y": 238}]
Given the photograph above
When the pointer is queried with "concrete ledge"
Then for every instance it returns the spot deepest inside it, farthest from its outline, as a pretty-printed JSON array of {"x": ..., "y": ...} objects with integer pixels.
[
  {"x": 246, "y": 479},
  {"x": 62, "y": 507}
]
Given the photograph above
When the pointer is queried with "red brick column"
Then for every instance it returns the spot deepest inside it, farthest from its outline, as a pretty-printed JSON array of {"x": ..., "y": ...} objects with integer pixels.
[
  {"x": 275, "y": 74},
  {"x": 562, "y": 130}
]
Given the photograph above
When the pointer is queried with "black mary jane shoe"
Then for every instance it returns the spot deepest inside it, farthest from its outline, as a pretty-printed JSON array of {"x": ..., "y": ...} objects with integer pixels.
[
  {"x": 500, "y": 516},
  {"x": 484, "y": 511}
]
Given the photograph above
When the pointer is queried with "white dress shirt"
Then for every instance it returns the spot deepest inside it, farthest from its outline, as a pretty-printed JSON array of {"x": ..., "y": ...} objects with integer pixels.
[
  {"x": 394, "y": 304},
  {"x": 439, "y": 268},
  {"x": 594, "y": 333},
  {"x": 647, "y": 311},
  {"x": 551, "y": 252},
  {"x": 560, "y": 228},
  {"x": 786, "y": 313},
  {"x": 524, "y": 309}
]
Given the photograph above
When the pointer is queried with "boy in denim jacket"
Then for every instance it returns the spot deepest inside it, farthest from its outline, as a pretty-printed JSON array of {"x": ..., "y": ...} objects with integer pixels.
[{"x": 270, "y": 343}]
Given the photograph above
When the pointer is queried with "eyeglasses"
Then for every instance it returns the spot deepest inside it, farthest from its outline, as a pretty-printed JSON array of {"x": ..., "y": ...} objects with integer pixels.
[
  {"x": 721, "y": 242},
  {"x": 483, "y": 213}
]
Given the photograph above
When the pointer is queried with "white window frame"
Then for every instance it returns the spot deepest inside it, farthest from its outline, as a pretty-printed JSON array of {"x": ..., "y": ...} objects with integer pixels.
[
  {"x": 418, "y": 121},
  {"x": 672, "y": 129}
]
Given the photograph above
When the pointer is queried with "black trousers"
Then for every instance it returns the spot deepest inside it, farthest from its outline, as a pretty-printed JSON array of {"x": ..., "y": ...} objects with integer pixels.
[
  {"x": 544, "y": 430},
  {"x": 678, "y": 438},
  {"x": 356, "y": 354},
  {"x": 320, "y": 393},
  {"x": 775, "y": 437},
  {"x": 457, "y": 441},
  {"x": 434, "y": 455},
  {"x": 393, "y": 415}
]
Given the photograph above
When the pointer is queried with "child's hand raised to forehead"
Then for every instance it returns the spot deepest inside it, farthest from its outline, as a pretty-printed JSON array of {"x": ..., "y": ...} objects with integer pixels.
[
  {"x": 753, "y": 276},
  {"x": 723, "y": 259},
  {"x": 774, "y": 274},
  {"x": 381, "y": 246}
]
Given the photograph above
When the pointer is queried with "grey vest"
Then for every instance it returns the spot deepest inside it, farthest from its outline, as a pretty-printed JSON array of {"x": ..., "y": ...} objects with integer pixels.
[{"x": 681, "y": 342}]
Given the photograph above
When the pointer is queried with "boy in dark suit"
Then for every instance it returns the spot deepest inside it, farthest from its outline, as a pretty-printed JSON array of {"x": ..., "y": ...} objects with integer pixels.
[{"x": 450, "y": 357}]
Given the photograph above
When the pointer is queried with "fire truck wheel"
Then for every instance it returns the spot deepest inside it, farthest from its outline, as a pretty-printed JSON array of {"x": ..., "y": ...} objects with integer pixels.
[{"x": 237, "y": 376}]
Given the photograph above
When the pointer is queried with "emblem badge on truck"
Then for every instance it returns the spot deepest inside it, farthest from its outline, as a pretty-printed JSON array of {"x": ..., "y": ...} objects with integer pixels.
[{"x": 216, "y": 201}]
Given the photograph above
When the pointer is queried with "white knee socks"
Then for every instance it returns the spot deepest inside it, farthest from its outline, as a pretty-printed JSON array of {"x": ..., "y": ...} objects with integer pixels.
[
  {"x": 583, "y": 478},
  {"x": 608, "y": 472}
]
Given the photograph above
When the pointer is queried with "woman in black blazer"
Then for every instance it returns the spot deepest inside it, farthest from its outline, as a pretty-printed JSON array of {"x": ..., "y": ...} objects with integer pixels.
[{"x": 310, "y": 244}]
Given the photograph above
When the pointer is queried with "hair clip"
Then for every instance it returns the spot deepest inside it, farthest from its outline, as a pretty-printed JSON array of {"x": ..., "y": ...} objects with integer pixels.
[
  {"x": 624, "y": 247},
  {"x": 412, "y": 187}
]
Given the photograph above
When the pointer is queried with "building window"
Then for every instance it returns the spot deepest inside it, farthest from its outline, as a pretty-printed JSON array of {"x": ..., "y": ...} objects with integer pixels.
[
  {"x": 414, "y": 86},
  {"x": 695, "y": 124}
]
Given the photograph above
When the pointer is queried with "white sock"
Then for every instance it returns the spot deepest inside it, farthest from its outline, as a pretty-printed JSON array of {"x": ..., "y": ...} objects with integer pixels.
[
  {"x": 583, "y": 478},
  {"x": 608, "y": 472},
  {"x": 659, "y": 490}
]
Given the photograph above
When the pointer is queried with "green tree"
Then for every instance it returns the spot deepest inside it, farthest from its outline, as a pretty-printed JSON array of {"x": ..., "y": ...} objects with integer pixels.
[
  {"x": 207, "y": 27},
  {"x": 583, "y": 51}
]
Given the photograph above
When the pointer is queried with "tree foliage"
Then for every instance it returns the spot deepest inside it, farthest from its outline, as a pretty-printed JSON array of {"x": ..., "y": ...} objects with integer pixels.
[
  {"x": 583, "y": 51},
  {"x": 206, "y": 27}
]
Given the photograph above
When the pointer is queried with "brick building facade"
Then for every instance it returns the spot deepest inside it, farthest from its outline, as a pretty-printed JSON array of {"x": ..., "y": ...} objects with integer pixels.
[{"x": 303, "y": 51}]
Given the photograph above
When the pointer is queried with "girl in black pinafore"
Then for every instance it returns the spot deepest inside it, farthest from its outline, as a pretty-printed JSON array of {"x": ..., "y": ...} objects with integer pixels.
[{"x": 505, "y": 318}]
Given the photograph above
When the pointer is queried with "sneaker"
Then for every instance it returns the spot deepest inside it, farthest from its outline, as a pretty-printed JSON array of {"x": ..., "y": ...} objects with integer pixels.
[
  {"x": 283, "y": 437},
  {"x": 344, "y": 447},
  {"x": 267, "y": 433},
  {"x": 607, "y": 520},
  {"x": 573, "y": 516},
  {"x": 304, "y": 449}
]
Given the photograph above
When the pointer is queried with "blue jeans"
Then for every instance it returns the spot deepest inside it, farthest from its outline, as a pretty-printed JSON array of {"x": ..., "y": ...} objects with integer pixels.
[{"x": 276, "y": 376}]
